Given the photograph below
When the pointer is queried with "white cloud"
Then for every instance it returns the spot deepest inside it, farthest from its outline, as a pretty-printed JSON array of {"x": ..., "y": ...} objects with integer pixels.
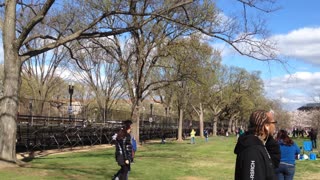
[
  {"x": 303, "y": 44},
  {"x": 225, "y": 49},
  {"x": 302, "y": 87},
  {"x": 294, "y": 90},
  {"x": 66, "y": 74}
]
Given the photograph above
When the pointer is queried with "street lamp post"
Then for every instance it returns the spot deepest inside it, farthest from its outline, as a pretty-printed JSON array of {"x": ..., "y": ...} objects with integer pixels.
[
  {"x": 30, "y": 109},
  {"x": 71, "y": 88},
  {"x": 166, "y": 111},
  {"x": 151, "y": 113},
  {"x": 95, "y": 114},
  {"x": 143, "y": 116},
  {"x": 170, "y": 118}
]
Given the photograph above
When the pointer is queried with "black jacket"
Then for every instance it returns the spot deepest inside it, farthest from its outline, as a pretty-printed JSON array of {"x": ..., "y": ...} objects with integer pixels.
[
  {"x": 313, "y": 135},
  {"x": 253, "y": 160},
  {"x": 123, "y": 150},
  {"x": 273, "y": 148}
]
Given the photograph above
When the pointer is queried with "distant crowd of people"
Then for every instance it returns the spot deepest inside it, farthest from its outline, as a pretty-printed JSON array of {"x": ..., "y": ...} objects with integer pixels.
[{"x": 306, "y": 132}]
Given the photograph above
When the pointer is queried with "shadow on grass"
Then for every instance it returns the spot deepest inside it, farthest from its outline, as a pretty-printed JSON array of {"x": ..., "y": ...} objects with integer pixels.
[
  {"x": 27, "y": 159},
  {"x": 88, "y": 167},
  {"x": 76, "y": 155},
  {"x": 80, "y": 155},
  {"x": 153, "y": 155},
  {"x": 67, "y": 172}
]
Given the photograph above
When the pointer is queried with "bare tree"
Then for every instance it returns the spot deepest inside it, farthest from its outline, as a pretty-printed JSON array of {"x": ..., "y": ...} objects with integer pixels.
[
  {"x": 140, "y": 59},
  {"x": 100, "y": 72},
  {"x": 67, "y": 22},
  {"x": 41, "y": 78},
  {"x": 80, "y": 19}
]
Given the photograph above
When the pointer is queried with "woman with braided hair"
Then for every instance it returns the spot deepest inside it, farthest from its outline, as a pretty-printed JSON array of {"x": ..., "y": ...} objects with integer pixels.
[{"x": 253, "y": 160}]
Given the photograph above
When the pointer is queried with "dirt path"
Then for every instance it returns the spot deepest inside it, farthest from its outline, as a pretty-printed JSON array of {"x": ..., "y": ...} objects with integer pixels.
[{"x": 30, "y": 155}]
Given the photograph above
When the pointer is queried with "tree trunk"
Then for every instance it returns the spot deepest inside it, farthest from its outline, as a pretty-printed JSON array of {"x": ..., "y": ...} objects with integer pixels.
[
  {"x": 230, "y": 124},
  {"x": 180, "y": 125},
  {"x": 214, "y": 128},
  {"x": 136, "y": 122},
  {"x": 201, "y": 121},
  {"x": 234, "y": 126},
  {"x": 9, "y": 101}
]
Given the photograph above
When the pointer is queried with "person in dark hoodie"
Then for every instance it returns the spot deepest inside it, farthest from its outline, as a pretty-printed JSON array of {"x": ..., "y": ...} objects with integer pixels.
[
  {"x": 253, "y": 159},
  {"x": 123, "y": 153}
]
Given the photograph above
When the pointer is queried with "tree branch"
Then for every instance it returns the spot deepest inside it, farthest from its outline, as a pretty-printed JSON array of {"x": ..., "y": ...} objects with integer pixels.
[{"x": 34, "y": 21}]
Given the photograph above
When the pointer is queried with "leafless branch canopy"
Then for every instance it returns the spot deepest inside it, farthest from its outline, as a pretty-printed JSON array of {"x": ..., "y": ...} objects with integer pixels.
[{"x": 62, "y": 23}]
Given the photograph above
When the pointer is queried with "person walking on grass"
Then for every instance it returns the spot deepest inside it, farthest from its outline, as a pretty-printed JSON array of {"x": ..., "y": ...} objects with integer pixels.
[
  {"x": 193, "y": 135},
  {"x": 123, "y": 153},
  {"x": 206, "y": 134},
  {"x": 253, "y": 160},
  {"x": 288, "y": 150}
]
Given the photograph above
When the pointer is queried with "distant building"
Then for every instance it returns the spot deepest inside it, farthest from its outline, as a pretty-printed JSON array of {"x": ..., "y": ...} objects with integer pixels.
[{"x": 310, "y": 106}]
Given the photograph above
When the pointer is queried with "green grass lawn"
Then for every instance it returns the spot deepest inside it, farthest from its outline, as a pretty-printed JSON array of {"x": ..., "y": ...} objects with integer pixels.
[{"x": 173, "y": 160}]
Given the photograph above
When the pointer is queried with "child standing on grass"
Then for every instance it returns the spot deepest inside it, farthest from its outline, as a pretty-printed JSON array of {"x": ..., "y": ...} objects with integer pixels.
[
  {"x": 193, "y": 135},
  {"x": 206, "y": 134}
]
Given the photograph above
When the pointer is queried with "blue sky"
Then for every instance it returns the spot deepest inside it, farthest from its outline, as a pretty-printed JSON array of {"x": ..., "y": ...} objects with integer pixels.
[{"x": 296, "y": 26}]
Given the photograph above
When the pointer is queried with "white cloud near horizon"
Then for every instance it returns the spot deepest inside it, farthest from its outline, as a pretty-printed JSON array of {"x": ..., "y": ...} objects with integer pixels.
[
  {"x": 300, "y": 87},
  {"x": 302, "y": 44},
  {"x": 294, "y": 90}
]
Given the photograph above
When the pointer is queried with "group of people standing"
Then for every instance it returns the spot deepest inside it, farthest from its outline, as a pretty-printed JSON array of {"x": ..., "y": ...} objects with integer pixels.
[
  {"x": 259, "y": 155},
  {"x": 311, "y": 133}
]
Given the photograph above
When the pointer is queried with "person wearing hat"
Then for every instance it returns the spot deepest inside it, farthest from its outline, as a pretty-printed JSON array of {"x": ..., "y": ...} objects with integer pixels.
[
  {"x": 123, "y": 153},
  {"x": 253, "y": 160}
]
